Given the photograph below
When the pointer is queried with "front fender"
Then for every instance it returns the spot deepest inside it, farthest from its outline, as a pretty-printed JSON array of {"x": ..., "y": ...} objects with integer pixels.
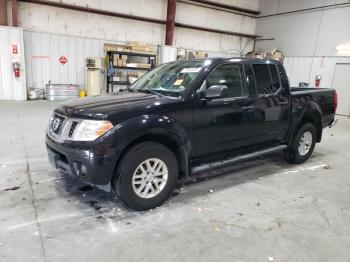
[{"x": 154, "y": 125}]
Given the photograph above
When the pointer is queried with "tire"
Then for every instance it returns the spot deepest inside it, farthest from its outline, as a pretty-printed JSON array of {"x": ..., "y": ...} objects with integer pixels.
[
  {"x": 137, "y": 173},
  {"x": 301, "y": 148}
]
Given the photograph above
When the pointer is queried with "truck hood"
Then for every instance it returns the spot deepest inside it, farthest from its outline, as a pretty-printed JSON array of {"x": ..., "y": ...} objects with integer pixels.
[{"x": 106, "y": 106}]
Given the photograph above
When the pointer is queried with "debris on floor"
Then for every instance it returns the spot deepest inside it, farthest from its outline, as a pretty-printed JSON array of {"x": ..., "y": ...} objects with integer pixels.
[
  {"x": 270, "y": 259},
  {"x": 205, "y": 209},
  {"x": 12, "y": 188},
  {"x": 327, "y": 166},
  {"x": 217, "y": 229},
  {"x": 211, "y": 191}
]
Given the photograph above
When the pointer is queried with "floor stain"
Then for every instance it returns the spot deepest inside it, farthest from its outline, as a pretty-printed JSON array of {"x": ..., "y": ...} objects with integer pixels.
[{"x": 12, "y": 188}]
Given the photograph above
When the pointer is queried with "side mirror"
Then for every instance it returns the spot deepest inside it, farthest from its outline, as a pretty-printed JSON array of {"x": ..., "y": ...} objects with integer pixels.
[{"x": 215, "y": 91}]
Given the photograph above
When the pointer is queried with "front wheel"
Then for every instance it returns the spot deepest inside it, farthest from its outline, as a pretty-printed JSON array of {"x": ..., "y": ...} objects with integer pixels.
[
  {"x": 147, "y": 176},
  {"x": 303, "y": 144}
]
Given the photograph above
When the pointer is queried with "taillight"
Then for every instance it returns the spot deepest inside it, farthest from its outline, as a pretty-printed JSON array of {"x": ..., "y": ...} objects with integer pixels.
[{"x": 335, "y": 101}]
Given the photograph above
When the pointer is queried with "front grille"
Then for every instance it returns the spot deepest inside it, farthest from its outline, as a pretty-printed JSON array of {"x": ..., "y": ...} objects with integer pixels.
[{"x": 72, "y": 128}]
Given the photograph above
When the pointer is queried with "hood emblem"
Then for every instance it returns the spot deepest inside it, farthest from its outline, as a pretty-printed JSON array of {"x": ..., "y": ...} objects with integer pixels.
[{"x": 56, "y": 124}]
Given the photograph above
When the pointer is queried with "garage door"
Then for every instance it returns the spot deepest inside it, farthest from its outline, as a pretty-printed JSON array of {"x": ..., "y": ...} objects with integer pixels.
[{"x": 341, "y": 82}]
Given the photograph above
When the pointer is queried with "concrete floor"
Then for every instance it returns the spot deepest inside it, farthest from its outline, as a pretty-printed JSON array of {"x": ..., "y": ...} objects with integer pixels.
[{"x": 258, "y": 210}]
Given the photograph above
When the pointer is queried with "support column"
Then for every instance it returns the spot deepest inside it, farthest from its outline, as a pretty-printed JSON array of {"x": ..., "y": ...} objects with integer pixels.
[
  {"x": 14, "y": 13},
  {"x": 170, "y": 22},
  {"x": 3, "y": 12}
]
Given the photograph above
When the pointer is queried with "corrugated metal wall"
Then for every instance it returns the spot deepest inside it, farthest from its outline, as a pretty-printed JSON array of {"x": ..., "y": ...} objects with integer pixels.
[
  {"x": 11, "y": 88},
  {"x": 43, "y": 51},
  {"x": 304, "y": 69}
]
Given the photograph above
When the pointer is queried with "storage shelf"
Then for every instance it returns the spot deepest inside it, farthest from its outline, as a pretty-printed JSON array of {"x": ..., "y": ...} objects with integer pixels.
[
  {"x": 122, "y": 83},
  {"x": 150, "y": 57},
  {"x": 132, "y": 54},
  {"x": 134, "y": 68}
]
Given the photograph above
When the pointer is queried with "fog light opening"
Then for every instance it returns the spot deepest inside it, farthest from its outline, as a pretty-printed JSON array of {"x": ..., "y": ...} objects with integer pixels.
[{"x": 80, "y": 169}]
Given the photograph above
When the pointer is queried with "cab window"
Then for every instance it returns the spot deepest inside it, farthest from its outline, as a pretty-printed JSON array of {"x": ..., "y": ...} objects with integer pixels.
[
  {"x": 230, "y": 75},
  {"x": 266, "y": 78}
]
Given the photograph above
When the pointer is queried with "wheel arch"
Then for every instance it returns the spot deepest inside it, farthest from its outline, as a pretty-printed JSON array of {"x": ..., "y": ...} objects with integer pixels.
[
  {"x": 168, "y": 133},
  {"x": 309, "y": 112}
]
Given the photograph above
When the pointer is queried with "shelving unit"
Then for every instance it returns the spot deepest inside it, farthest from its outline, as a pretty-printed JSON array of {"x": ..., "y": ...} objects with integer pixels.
[{"x": 123, "y": 71}]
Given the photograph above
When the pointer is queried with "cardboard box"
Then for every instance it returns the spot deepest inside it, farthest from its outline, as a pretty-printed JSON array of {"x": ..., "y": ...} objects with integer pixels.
[
  {"x": 116, "y": 48},
  {"x": 138, "y": 46},
  {"x": 139, "y": 74},
  {"x": 140, "y": 65}
]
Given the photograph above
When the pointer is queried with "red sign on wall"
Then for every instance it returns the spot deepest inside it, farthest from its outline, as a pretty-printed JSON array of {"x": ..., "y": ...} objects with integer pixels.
[
  {"x": 14, "y": 49},
  {"x": 63, "y": 60}
]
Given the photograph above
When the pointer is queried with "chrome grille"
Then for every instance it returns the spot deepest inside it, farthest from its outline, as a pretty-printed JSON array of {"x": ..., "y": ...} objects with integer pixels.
[
  {"x": 62, "y": 128},
  {"x": 72, "y": 128}
]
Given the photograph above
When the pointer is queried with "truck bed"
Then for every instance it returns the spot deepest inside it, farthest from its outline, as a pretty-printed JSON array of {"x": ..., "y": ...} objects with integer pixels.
[{"x": 324, "y": 97}]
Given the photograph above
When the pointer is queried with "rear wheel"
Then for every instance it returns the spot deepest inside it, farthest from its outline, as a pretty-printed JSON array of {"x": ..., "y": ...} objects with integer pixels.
[
  {"x": 147, "y": 176},
  {"x": 303, "y": 144}
]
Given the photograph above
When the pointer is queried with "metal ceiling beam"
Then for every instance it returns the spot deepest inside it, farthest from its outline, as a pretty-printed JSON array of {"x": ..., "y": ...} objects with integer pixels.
[
  {"x": 218, "y": 31},
  {"x": 93, "y": 11},
  {"x": 133, "y": 17},
  {"x": 228, "y": 7}
]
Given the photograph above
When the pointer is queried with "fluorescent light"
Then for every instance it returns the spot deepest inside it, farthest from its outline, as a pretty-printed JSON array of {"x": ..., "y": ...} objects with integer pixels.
[{"x": 343, "y": 47}]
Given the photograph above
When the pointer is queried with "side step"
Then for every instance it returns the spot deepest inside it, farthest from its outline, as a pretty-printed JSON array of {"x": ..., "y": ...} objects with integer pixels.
[{"x": 230, "y": 161}]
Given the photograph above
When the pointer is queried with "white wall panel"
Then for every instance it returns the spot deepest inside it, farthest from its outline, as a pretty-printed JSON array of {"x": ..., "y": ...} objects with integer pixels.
[
  {"x": 309, "y": 33},
  {"x": 304, "y": 69},
  {"x": 11, "y": 88},
  {"x": 41, "y": 18}
]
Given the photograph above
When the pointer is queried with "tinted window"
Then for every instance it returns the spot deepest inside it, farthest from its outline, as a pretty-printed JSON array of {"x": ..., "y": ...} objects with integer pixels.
[
  {"x": 275, "y": 78},
  {"x": 267, "y": 78},
  {"x": 230, "y": 75}
]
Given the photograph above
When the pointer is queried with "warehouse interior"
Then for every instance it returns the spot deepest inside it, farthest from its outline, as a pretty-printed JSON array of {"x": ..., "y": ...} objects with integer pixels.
[{"x": 262, "y": 209}]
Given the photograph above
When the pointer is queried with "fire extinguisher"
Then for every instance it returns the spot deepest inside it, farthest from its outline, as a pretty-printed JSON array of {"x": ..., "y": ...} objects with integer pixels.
[
  {"x": 16, "y": 66},
  {"x": 317, "y": 80}
]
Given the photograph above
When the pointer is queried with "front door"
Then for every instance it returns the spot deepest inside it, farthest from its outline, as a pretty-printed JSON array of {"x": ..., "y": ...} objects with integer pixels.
[{"x": 225, "y": 123}]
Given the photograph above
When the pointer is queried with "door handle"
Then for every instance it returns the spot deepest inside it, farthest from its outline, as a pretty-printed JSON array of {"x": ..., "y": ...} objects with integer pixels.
[{"x": 246, "y": 108}]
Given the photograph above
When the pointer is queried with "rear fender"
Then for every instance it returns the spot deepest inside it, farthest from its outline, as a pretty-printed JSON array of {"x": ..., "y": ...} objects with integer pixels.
[{"x": 308, "y": 112}]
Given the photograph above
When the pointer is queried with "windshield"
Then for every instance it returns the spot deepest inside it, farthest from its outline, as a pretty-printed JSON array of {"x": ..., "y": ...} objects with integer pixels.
[{"x": 171, "y": 79}]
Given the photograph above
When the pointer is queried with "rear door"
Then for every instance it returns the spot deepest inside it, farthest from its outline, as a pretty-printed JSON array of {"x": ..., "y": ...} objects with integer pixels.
[{"x": 272, "y": 101}]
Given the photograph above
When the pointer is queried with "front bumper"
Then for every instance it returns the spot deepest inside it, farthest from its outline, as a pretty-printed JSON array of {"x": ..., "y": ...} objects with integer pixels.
[{"x": 80, "y": 162}]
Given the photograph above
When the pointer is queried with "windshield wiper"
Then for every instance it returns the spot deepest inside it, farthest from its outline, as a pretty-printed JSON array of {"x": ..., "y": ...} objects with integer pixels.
[{"x": 148, "y": 91}]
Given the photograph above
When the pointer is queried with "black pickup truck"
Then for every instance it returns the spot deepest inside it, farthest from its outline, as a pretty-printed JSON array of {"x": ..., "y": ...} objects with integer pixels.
[{"x": 183, "y": 118}]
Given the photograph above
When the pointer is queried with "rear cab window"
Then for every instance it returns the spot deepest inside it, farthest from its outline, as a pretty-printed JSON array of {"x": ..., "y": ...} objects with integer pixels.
[{"x": 267, "y": 79}]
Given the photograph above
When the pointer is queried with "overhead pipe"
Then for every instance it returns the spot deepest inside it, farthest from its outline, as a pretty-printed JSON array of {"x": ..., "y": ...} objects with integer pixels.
[
  {"x": 14, "y": 13},
  {"x": 170, "y": 22},
  {"x": 133, "y": 17},
  {"x": 3, "y": 12},
  {"x": 225, "y": 6}
]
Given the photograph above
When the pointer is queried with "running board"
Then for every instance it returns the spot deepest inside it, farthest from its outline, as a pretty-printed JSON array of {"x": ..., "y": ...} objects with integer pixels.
[{"x": 230, "y": 161}]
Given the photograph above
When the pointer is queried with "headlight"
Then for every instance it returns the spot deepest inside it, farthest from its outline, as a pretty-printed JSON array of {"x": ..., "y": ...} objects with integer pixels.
[{"x": 89, "y": 130}]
